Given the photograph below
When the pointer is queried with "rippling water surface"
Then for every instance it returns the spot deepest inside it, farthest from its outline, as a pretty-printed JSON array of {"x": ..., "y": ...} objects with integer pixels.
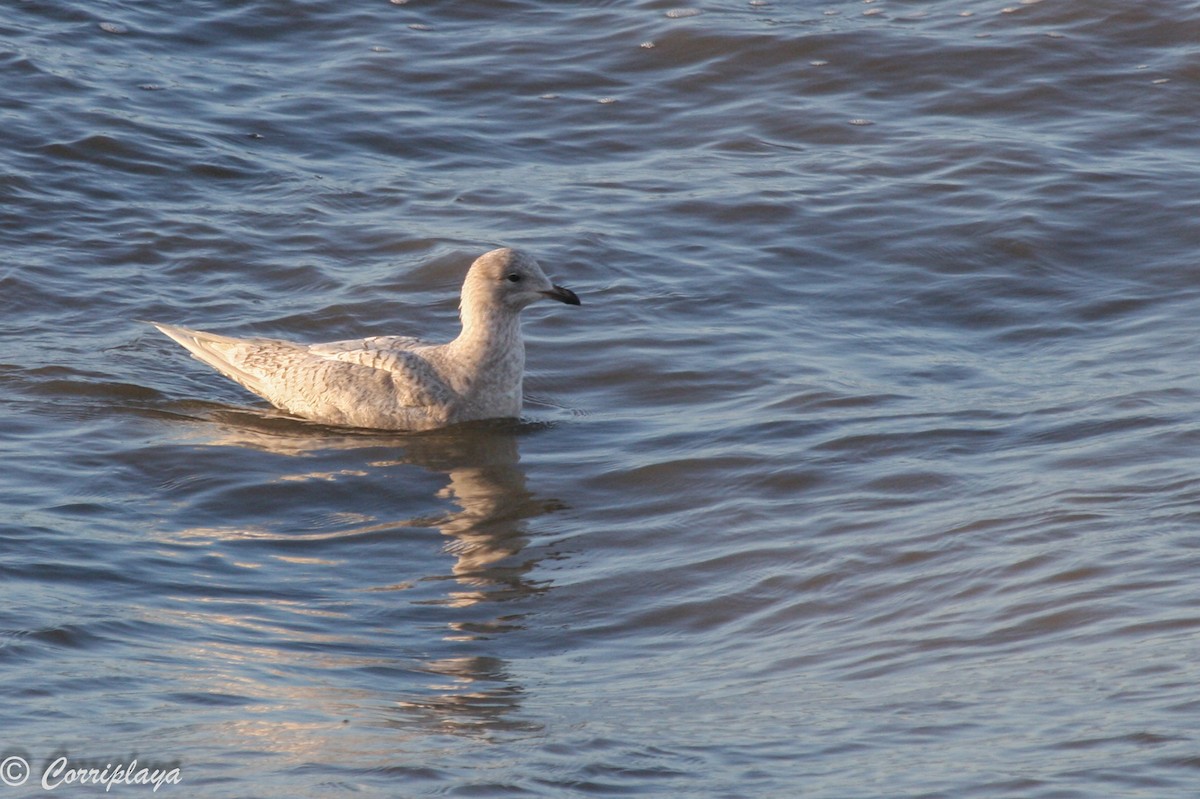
[{"x": 868, "y": 467}]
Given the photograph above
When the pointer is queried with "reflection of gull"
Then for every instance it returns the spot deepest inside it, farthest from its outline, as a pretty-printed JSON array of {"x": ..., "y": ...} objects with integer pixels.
[
  {"x": 396, "y": 383},
  {"x": 480, "y": 696},
  {"x": 485, "y": 481},
  {"x": 465, "y": 693}
]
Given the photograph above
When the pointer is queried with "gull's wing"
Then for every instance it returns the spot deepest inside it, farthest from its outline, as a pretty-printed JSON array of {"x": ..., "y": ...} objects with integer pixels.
[
  {"x": 415, "y": 382},
  {"x": 359, "y": 383}
]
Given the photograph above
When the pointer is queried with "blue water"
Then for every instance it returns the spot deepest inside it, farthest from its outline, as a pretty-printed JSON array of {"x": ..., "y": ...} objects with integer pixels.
[{"x": 866, "y": 469}]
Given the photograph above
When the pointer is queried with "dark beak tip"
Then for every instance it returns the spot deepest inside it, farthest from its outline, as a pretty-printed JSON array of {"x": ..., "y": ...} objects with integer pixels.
[{"x": 563, "y": 295}]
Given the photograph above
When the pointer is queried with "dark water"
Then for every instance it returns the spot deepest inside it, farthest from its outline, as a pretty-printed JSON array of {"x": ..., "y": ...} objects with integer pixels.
[{"x": 867, "y": 469}]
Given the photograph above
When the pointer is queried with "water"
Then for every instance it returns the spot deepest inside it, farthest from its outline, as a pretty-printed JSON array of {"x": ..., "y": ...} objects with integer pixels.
[{"x": 867, "y": 468}]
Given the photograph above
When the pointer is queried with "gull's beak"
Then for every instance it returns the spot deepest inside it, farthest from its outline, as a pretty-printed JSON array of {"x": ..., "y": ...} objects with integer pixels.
[{"x": 562, "y": 295}]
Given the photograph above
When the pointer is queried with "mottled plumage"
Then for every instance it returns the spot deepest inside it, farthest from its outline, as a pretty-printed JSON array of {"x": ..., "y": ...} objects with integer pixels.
[{"x": 394, "y": 382}]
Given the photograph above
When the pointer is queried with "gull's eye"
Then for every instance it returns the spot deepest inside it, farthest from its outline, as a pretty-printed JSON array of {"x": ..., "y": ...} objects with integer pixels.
[{"x": 514, "y": 278}]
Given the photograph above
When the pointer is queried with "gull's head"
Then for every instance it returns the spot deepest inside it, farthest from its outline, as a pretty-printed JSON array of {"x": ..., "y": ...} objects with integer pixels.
[{"x": 510, "y": 279}]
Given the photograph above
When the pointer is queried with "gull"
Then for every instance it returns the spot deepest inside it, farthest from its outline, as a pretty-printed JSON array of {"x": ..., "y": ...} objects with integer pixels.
[{"x": 396, "y": 382}]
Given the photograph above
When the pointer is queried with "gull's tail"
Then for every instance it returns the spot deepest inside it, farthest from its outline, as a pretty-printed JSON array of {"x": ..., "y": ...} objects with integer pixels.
[{"x": 223, "y": 353}]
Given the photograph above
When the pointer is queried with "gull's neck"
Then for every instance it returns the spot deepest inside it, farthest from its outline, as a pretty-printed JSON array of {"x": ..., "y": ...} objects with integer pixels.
[{"x": 490, "y": 336}]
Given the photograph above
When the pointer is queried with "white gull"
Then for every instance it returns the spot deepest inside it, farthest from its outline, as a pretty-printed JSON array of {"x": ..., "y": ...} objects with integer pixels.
[{"x": 395, "y": 382}]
